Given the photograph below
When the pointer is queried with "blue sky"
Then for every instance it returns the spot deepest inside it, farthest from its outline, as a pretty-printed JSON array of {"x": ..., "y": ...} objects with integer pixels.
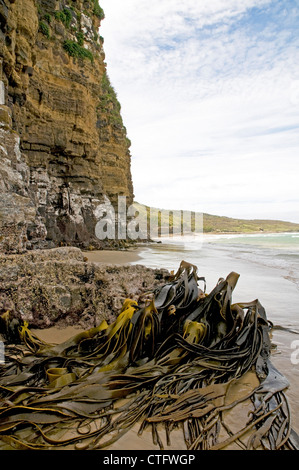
[{"x": 210, "y": 98}]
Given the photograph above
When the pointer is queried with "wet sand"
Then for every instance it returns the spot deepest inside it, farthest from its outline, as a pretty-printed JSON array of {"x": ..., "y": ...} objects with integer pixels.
[
  {"x": 55, "y": 335},
  {"x": 113, "y": 256}
]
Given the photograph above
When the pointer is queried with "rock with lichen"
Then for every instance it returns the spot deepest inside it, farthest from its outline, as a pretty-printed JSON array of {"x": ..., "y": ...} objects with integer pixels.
[{"x": 60, "y": 287}]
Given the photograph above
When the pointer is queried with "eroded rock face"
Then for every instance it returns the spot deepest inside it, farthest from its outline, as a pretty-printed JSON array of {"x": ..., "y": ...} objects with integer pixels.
[
  {"x": 21, "y": 227},
  {"x": 59, "y": 287},
  {"x": 73, "y": 143}
]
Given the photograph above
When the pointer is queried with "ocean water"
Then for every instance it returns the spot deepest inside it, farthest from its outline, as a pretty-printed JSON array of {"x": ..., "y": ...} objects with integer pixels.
[{"x": 268, "y": 265}]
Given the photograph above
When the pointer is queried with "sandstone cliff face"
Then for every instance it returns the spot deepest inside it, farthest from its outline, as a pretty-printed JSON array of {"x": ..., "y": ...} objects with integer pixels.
[{"x": 72, "y": 146}]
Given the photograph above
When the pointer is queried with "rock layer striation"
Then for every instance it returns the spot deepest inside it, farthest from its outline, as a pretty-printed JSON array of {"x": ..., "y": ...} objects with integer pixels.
[{"x": 64, "y": 148}]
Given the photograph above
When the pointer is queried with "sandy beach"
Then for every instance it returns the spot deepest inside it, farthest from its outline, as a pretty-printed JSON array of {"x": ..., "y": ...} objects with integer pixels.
[{"x": 113, "y": 256}]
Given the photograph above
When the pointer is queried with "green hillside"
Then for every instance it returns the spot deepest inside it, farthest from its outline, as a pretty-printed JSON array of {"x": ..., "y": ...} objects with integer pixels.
[{"x": 213, "y": 223}]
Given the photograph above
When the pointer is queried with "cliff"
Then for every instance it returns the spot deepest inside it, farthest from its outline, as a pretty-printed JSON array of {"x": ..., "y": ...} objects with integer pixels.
[{"x": 64, "y": 148}]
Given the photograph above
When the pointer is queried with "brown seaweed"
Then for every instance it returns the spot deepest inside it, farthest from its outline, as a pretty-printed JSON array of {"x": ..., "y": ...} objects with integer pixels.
[{"x": 174, "y": 363}]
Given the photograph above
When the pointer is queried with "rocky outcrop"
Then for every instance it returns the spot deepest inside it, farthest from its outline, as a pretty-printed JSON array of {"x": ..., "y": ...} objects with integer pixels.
[
  {"x": 59, "y": 287},
  {"x": 65, "y": 145}
]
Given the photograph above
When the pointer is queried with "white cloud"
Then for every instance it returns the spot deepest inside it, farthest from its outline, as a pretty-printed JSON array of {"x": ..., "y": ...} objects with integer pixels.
[{"x": 210, "y": 103}]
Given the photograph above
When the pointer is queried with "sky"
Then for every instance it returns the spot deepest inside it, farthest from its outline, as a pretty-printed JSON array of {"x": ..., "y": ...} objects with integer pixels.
[{"x": 209, "y": 93}]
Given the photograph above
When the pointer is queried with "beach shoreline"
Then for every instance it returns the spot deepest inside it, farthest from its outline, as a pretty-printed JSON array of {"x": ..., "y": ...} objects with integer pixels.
[
  {"x": 281, "y": 339},
  {"x": 211, "y": 260}
]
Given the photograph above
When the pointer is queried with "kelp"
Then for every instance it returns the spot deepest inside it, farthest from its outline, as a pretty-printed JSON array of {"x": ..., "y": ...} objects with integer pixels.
[{"x": 183, "y": 360}]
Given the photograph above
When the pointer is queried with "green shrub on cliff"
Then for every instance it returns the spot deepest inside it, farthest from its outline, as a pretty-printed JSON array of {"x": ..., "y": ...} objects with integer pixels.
[
  {"x": 64, "y": 16},
  {"x": 75, "y": 50},
  {"x": 44, "y": 29},
  {"x": 98, "y": 11},
  {"x": 80, "y": 38},
  {"x": 109, "y": 103},
  {"x": 48, "y": 18},
  {"x": 109, "y": 94}
]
